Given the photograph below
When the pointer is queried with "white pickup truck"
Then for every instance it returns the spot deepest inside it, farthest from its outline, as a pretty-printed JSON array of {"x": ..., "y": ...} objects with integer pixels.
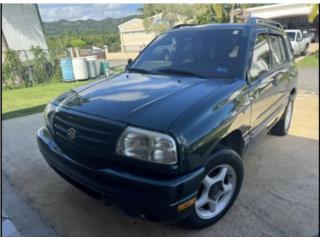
[{"x": 299, "y": 44}]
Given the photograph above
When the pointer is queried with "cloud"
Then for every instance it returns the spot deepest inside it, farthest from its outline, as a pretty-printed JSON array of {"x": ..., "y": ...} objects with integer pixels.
[{"x": 71, "y": 12}]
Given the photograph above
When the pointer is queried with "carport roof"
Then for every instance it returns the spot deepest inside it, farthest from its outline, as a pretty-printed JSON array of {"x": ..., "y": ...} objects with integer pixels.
[{"x": 280, "y": 10}]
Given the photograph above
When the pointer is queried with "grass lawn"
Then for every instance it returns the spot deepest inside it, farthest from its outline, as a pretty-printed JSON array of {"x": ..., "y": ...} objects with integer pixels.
[
  {"x": 310, "y": 61},
  {"x": 25, "y": 101}
]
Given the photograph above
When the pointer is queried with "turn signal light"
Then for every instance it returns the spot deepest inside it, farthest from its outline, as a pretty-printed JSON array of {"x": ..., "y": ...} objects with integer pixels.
[{"x": 186, "y": 204}]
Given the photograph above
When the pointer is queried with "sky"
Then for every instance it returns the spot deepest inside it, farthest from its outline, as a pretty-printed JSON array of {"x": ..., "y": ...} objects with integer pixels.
[{"x": 72, "y": 12}]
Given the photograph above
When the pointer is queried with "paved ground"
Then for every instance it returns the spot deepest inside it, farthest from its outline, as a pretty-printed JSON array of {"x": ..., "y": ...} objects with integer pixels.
[
  {"x": 279, "y": 196},
  {"x": 9, "y": 230},
  {"x": 309, "y": 79},
  {"x": 24, "y": 216}
]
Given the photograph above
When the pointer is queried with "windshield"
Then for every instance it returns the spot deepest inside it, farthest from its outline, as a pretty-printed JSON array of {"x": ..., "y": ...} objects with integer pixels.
[
  {"x": 202, "y": 53},
  {"x": 291, "y": 35}
]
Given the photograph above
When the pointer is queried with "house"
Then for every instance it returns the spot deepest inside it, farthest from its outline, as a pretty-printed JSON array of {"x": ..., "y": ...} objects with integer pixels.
[
  {"x": 22, "y": 28},
  {"x": 133, "y": 35}
]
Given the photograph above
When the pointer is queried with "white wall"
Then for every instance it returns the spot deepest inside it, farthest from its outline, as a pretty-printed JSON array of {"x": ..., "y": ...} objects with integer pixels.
[{"x": 21, "y": 26}]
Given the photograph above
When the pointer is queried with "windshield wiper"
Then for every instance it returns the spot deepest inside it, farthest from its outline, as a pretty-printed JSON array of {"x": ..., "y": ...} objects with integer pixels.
[
  {"x": 139, "y": 70},
  {"x": 181, "y": 72}
]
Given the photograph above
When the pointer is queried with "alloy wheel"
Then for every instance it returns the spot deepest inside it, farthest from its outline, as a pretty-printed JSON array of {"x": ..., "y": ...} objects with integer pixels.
[{"x": 216, "y": 191}]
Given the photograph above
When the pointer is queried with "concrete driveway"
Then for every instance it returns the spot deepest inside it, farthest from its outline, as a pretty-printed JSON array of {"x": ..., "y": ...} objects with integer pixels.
[
  {"x": 309, "y": 80},
  {"x": 279, "y": 196}
]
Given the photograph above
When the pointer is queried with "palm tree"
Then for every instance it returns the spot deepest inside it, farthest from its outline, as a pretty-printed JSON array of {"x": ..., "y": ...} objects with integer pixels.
[
  {"x": 219, "y": 14},
  {"x": 314, "y": 13}
]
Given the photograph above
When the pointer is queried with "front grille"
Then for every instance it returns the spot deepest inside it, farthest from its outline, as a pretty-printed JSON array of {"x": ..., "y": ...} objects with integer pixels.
[{"x": 85, "y": 139}]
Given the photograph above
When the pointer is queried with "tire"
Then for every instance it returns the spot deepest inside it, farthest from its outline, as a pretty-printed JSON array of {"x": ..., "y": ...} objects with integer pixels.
[
  {"x": 305, "y": 51},
  {"x": 220, "y": 160},
  {"x": 281, "y": 128}
]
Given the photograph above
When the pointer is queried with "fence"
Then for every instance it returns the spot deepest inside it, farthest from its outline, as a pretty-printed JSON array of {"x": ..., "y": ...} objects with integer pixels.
[
  {"x": 23, "y": 68},
  {"x": 27, "y": 68}
]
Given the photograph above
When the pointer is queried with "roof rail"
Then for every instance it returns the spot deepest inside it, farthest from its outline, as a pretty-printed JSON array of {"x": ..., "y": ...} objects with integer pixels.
[
  {"x": 183, "y": 25},
  {"x": 257, "y": 20}
]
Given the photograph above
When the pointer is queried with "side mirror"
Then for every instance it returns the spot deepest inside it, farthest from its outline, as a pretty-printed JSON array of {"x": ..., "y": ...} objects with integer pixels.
[{"x": 128, "y": 63}]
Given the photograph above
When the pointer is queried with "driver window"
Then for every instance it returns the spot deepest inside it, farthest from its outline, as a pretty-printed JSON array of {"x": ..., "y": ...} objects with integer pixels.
[
  {"x": 299, "y": 36},
  {"x": 261, "y": 59}
]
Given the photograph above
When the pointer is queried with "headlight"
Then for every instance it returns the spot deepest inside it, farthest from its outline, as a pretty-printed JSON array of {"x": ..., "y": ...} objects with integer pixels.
[
  {"x": 147, "y": 146},
  {"x": 48, "y": 115}
]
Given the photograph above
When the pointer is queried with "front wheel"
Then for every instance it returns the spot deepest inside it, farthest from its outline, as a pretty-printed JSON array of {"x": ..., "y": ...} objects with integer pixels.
[
  {"x": 305, "y": 51},
  {"x": 218, "y": 190}
]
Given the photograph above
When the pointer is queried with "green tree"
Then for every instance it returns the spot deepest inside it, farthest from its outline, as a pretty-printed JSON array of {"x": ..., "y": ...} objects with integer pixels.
[
  {"x": 39, "y": 63},
  {"x": 216, "y": 13},
  {"x": 193, "y": 13},
  {"x": 87, "y": 39},
  {"x": 171, "y": 14},
  {"x": 221, "y": 13},
  {"x": 12, "y": 69},
  {"x": 78, "y": 42}
]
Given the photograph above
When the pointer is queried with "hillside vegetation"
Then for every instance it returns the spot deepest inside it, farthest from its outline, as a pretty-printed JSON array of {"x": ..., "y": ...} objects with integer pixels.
[
  {"x": 108, "y": 25},
  {"x": 84, "y": 33}
]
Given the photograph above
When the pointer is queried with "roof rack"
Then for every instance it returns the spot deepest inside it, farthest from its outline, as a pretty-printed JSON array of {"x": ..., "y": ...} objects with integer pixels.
[
  {"x": 257, "y": 20},
  {"x": 183, "y": 25}
]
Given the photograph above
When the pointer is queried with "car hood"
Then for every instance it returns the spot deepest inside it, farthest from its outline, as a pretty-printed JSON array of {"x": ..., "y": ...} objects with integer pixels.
[{"x": 149, "y": 101}]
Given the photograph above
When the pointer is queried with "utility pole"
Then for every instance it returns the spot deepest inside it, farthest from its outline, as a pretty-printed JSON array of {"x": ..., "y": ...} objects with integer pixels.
[{"x": 232, "y": 13}]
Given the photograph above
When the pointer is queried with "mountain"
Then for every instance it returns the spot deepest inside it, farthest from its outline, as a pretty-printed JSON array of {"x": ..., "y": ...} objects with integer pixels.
[{"x": 108, "y": 25}]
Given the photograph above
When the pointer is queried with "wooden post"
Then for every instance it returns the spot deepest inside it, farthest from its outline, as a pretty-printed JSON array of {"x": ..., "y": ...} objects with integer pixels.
[
  {"x": 106, "y": 50},
  {"x": 77, "y": 52},
  {"x": 71, "y": 52},
  {"x": 232, "y": 14}
]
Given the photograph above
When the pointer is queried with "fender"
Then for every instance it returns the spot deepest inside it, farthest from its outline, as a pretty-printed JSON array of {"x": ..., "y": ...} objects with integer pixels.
[{"x": 201, "y": 128}]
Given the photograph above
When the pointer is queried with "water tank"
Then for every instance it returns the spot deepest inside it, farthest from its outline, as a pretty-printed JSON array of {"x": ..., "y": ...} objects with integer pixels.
[
  {"x": 66, "y": 69},
  {"x": 104, "y": 66},
  {"x": 98, "y": 64},
  {"x": 80, "y": 69},
  {"x": 94, "y": 58},
  {"x": 92, "y": 70}
]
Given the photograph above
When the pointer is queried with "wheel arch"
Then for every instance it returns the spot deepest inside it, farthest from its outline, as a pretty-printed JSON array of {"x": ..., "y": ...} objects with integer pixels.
[{"x": 233, "y": 140}]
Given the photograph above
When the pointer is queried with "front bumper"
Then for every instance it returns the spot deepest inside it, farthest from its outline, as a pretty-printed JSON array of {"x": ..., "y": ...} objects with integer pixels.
[{"x": 151, "y": 198}]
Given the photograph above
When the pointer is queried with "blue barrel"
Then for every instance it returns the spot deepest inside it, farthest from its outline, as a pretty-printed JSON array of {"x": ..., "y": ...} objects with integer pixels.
[{"x": 66, "y": 69}]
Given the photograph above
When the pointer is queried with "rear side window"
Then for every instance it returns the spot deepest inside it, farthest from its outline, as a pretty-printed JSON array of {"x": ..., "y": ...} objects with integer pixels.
[
  {"x": 278, "y": 50},
  {"x": 261, "y": 59}
]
